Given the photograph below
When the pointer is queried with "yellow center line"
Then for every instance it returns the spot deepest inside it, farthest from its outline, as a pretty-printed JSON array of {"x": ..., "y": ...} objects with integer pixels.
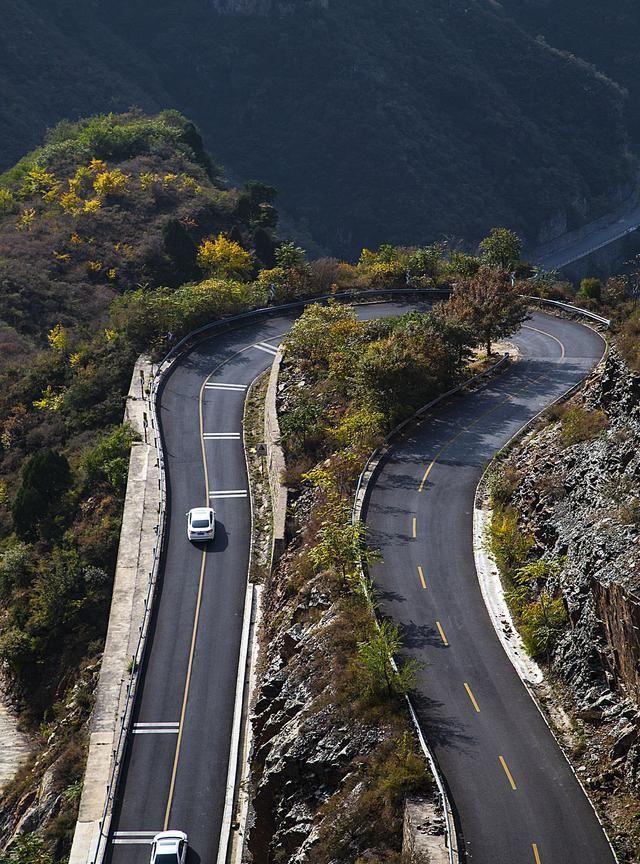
[
  {"x": 544, "y": 333},
  {"x": 185, "y": 697},
  {"x": 472, "y": 697},
  {"x": 536, "y": 854},
  {"x": 414, "y": 527},
  {"x": 203, "y": 562},
  {"x": 441, "y": 632},
  {"x": 421, "y": 575},
  {"x": 512, "y": 782},
  {"x": 455, "y": 438}
]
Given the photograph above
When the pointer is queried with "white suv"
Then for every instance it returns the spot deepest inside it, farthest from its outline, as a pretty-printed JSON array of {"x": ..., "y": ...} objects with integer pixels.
[
  {"x": 201, "y": 524},
  {"x": 169, "y": 847}
]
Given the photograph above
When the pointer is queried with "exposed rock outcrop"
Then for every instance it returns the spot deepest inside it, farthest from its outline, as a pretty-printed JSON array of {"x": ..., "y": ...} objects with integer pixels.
[{"x": 313, "y": 757}]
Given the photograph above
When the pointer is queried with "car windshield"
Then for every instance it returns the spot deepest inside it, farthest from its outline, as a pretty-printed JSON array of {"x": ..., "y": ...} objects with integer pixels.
[
  {"x": 166, "y": 858},
  {"x": 200, "y": 523}
]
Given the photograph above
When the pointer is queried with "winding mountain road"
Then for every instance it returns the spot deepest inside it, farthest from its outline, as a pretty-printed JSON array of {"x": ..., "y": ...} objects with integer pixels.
[
  {"x": 176, "y": 766},
  {"x": 515, "y": 797}
]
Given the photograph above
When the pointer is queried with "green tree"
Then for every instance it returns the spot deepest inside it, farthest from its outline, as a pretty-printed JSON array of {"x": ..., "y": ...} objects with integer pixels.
[
  {"x": 290, "y": 256},
  {"x": 108, "y": 461},
  {"x": 45, "y": 477},
  {"x": 297, "y": 424},
  {"x": 322, "y": 330},
  {"x": 489, "y": 304},
  {"x": 340, "y": 547},
  {"x": 542, "y": 623},
  {"x": 502, "y": 248},
  {"x": 360, "y": 429},
  {"x": 376, "y": 663},
  {"x": 590, "y": 289}
]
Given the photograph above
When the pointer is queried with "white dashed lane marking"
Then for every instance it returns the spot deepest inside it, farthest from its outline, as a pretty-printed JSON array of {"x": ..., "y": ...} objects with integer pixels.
[
  {"x": 268, "y": 349},
  {"x": 133, "y": 837},
  {"x": 228, "y": 493},
  {"x": 213, "y": 385},
  {"x": 156, "y": 728}
]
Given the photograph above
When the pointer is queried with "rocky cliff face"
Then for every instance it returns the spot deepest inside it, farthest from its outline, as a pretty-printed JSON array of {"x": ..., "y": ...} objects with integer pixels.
[{"x": 581, "y": 502}]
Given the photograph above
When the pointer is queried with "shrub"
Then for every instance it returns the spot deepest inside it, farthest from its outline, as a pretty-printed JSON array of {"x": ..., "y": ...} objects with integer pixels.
[
  {"x": 108, "y": 461},
  {"x": 224, "y": 258},
  {"x": 27, "y": 849},
  {"x": 579, "y": 425},
  {"x": 380, "y": 677},
  {"x": 628, "y": 340},
  {"x": 590, "y": 289},
  {"x": 510, "y": 545},
  {"x": 502, "y": 483},
  {"x": 14, "y": 567},
  {"x": 542, "y": 623}
]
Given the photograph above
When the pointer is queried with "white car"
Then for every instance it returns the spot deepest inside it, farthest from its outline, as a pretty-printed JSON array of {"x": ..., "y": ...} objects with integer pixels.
[
  {"x": 201, "y": 524},
  {"x": 169, "y": 847}
]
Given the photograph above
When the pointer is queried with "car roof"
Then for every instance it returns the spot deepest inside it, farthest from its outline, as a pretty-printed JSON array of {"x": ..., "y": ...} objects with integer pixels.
[
  {"x": 169, "y": 838},
  {"x": 201, "y": 512}
]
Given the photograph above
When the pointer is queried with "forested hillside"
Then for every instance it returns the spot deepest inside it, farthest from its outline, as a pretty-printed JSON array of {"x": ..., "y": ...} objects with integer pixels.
[
  {"x": 605, "y": 34},
  {"x": 376, "y": 122}
]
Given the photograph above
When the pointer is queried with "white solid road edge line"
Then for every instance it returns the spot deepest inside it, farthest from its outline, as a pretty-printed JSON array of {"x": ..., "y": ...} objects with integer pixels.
[{"x": 227, "y": 814}]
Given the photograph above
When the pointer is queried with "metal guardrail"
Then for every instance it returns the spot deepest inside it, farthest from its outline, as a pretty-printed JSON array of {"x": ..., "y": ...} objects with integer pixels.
[
  {"x": 137, "y": 659},
  {"x": 362, "y": 490},
  {"x": 567, "y": 307}
]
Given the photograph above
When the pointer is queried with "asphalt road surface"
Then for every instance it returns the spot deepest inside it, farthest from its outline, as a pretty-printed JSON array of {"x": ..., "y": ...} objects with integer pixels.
[
  {"x": 516, "y": 799},
  {"x": 176, "y": 765}
]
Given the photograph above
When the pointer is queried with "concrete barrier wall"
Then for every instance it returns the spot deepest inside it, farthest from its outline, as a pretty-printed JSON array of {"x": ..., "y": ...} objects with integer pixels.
[
  {"x": 275, "y": 463},
  {"x": 136, "y": 551}
]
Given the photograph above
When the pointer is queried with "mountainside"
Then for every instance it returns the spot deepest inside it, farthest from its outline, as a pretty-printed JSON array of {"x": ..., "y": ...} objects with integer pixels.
[
  {"x": 605, "y": 34},
  {"x": 376, "y": 122}
]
